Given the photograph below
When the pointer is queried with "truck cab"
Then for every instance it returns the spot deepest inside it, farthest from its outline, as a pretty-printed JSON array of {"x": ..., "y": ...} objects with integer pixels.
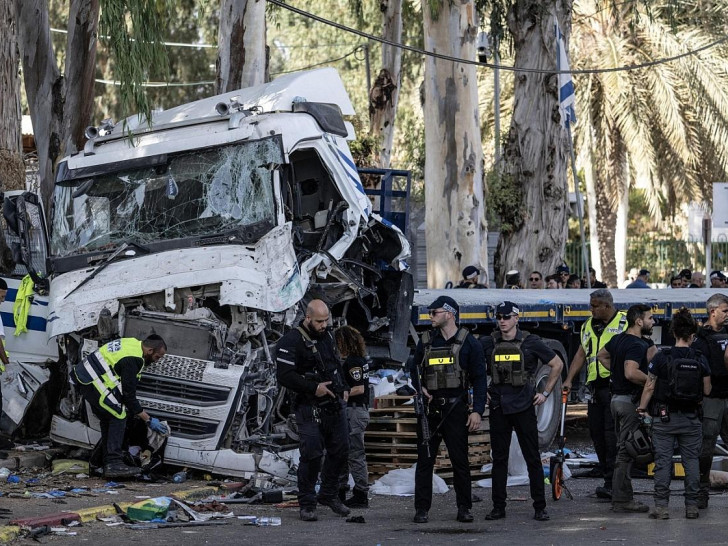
[{"x": 212, "y": 225}]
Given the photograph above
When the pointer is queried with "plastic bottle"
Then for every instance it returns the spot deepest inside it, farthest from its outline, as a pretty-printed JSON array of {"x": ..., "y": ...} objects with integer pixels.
[{"x": 180, "y": 477}]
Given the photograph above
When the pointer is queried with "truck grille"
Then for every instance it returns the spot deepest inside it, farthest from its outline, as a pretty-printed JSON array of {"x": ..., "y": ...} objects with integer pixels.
[
  {"x": 182, "y": 391},
  {"x": 180, "y": 367},
  {"x": 184, "y": 426}
]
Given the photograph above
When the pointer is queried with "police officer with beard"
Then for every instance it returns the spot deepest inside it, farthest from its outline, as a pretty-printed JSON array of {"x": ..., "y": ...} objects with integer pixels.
[
  {"x": 447, "y": 360},
  {"x": 308, "y": 366},
  {"x": 513, "y": 358},
  {"x": 627, "y": 355}
]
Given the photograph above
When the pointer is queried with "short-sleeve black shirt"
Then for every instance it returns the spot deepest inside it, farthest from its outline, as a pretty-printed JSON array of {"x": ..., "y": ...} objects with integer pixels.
[
  {"x": 517, "y": 399},
  {"x": 707, "y": 344},
  {"x": 356, "y": 373},
  {"x": 621, "y": 348}
]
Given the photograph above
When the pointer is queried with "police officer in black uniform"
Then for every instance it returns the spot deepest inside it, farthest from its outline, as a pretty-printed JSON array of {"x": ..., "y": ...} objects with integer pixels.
[
  {"x": 712, "y": 342},
  {"x": 447, "y": 361},
  {"x": 677, "y": 379},
  {"x": 513, "y": 358},
  {"x": 627, "y": 356},
  {"x": 308, "y": 366}
]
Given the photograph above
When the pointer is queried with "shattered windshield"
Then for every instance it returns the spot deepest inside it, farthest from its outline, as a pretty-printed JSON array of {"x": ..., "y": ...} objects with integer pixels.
[{"x": 200, "y": 192}]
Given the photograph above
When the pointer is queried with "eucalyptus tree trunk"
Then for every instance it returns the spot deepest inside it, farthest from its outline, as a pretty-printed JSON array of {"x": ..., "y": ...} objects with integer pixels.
[
  {"x": 43, "y": 87},
  {"x": 241, "y": 58},
  {"x": 536, "y": 151},
  {"x": 83, "y": 23},
  {"x": 455, "y": 222},
  {"x": 11, "y": 143},
  {"x": 12, "y": 170},
  {"x": 384, "y": 94}
]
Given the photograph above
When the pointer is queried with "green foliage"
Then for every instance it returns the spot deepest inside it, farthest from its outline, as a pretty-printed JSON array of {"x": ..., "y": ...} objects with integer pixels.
[
  {"x": 364, "y": 150},
  {"x": 133, "y": 30},
  {"x": 505, "y": 201}
]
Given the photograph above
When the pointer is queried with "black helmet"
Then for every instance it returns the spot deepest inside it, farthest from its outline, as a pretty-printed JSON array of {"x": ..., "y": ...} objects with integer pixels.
[{"x": 639, "y": 446}]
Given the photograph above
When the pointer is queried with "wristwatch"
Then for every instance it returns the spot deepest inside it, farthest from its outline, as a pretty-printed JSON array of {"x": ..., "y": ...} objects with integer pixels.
[{"x": 545, "y": 394}]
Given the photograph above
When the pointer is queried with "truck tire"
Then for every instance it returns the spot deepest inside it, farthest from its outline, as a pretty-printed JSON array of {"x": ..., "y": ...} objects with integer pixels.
[{"x": 548, "y": 414}]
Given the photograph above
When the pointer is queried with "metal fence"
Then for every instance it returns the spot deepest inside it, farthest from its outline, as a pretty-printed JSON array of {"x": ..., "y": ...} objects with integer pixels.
[{"x": 663, "y": 257}]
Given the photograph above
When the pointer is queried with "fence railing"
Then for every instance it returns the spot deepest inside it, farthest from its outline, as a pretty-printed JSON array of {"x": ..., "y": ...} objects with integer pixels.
[{"x": 663, "y": 257}]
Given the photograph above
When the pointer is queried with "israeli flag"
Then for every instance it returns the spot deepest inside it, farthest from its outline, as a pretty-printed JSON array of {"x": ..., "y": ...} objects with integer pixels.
[{"x": 566, "y": 84}]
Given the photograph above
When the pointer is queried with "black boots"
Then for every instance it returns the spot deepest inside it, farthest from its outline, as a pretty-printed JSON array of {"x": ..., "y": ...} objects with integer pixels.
[
  {"x": 358, "y": 500},
  {"x": 120, "y": 470}
]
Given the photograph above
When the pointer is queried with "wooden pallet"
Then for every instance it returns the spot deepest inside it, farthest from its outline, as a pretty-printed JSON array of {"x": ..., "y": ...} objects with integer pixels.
[{"x": 391, "y": 440}]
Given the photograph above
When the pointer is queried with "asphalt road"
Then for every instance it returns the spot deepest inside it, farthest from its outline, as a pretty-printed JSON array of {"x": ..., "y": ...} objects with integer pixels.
[{"x": 583, "y": 520}]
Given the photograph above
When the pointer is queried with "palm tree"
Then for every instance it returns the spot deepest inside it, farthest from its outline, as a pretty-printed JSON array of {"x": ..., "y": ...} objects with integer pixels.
[{"x": 664, "y": 126}]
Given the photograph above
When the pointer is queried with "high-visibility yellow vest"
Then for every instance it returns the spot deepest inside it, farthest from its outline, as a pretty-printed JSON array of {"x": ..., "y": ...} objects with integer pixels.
[
  {"x": 592, "y": 344},
  {"x": 99, "y": 369}
]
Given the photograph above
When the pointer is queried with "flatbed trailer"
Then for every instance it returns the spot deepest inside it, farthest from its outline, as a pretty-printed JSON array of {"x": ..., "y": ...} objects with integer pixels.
[{"x": 557, "y": 316}]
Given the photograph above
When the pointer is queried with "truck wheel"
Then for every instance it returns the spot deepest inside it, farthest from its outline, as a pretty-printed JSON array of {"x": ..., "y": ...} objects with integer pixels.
[{"x": 548, "y": 414}]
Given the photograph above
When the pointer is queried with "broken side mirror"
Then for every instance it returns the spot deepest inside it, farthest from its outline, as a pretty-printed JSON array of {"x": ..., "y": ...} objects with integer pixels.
[
  {"x": 10, "y": 212},
  {"x": 28, "y": 219}
]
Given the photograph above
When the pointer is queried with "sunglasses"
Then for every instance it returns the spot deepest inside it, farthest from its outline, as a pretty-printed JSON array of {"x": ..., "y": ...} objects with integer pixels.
[
  {"x": 433, "y": 313},
  {"x": 534, "y": 279},
  {"x": 500, "y": 316}
]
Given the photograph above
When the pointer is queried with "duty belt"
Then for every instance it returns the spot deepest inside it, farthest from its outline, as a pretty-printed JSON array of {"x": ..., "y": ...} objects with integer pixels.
[{"x": 445, "y": 401}]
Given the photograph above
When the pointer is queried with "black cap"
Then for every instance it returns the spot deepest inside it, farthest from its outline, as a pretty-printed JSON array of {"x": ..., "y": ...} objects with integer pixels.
[
  {"x": 686, "y": 273},
  {"x": 717, "y": 275},
  {"x": 447, "y": 303},
  {"x": 562, "y": 269},
  {"x": 507, "y": 308},
  {"x": 644, "y": 272},
  {"x": 470, "y": 272}
]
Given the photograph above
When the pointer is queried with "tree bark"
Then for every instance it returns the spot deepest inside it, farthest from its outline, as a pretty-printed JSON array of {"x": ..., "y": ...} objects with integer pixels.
[
  {"x": 83, "y": 21},
  {"x": 606, "y": 220},
  {"x": 384, "y": 94},
  {"x": 241, "y": 59},
  {"x": 455, "y": 222},
  {"x": 12, "y": 171},
  {"x": 43, "y": 87},
  {"x": 535, "y": 154}
]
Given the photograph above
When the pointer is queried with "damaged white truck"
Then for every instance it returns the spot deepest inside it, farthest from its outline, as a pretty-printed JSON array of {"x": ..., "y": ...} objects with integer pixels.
[{"x": 211, "y": 225}]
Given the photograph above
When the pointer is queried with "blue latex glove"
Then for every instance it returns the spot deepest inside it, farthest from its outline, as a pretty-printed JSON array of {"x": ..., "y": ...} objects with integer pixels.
[{"x": 157, "y": 426}]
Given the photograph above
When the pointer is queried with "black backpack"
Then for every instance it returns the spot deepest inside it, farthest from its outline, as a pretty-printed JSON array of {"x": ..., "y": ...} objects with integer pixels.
[{"x": 684, "y": 379}]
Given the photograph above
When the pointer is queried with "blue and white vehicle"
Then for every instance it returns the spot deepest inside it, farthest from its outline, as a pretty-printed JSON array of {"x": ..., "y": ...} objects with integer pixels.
[{"x": 211, "y": 225}]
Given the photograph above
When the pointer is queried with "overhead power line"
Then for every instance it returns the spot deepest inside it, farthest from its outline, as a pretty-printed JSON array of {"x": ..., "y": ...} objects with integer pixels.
[{"x": 406, "y": 47}]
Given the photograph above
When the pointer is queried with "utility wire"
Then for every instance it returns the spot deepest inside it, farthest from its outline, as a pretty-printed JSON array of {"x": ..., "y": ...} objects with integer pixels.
[
  {"x": 214, "y": 46},
  {"x": 192, "y": 84},
  {"x": 157, "y": 84},
  {"x": 406, "y": 47},
  {"x": 352, "y": 52}
]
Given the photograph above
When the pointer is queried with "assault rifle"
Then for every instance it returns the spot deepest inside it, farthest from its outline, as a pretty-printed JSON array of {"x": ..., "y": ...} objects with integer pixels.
[{"x": 421, "y": 411}]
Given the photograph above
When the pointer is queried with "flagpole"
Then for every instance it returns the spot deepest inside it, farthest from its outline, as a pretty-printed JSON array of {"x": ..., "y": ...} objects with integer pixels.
[{"x": 580, "y": 212}]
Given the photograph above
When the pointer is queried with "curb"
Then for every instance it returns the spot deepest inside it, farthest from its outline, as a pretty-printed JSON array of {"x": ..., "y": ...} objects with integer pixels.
[{"x": 12, "y": 530}]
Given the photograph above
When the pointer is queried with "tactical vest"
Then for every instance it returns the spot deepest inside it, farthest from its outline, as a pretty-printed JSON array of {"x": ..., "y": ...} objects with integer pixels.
[
  {"x": 328, "y": 373},
  {"x": 592, "y": 344},
  {"x": 508, "y": 363},
  {"x": 441, "y": 365},
  {"x": 99, "y": 369},
  {"x": 682, "y": 387},
  {"x": 717, "y": 342}
]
